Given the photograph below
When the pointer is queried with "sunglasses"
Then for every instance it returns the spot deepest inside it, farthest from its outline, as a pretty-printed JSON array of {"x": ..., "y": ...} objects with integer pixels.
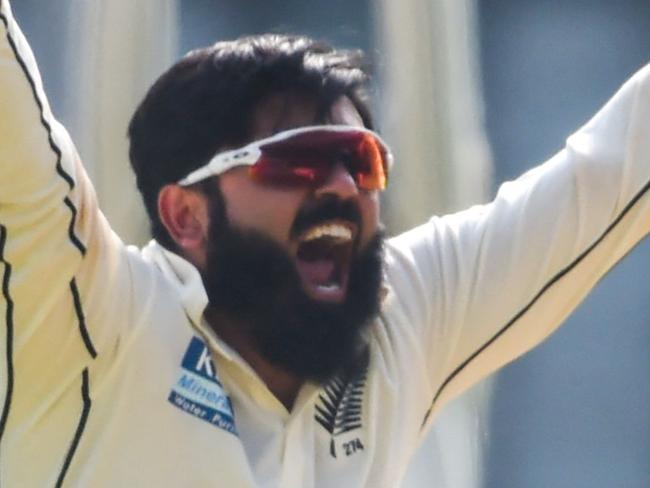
[{"x": 306, "y": 157}]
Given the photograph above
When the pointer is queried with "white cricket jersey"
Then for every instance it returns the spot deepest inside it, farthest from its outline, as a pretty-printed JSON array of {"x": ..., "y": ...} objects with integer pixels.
[{"x": 110, "y": 377}]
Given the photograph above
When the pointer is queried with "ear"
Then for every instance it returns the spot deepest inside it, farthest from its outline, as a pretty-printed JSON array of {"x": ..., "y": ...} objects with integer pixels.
[{"x": 184, "y": 214}]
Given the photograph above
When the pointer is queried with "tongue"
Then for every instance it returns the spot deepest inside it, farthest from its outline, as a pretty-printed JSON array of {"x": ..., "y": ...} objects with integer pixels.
[{"x": 317, "y": 272}]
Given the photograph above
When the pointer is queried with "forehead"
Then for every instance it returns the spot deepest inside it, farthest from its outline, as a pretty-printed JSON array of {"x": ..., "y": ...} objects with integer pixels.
[{"x": 284, "y": 111}]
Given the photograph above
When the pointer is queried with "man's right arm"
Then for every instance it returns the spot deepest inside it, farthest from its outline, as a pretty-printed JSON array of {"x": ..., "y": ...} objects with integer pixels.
[{"x": 58, "y": 256}]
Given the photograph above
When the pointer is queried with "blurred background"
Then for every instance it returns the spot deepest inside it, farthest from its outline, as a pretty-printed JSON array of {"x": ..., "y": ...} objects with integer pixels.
[{"x": 469, "y": 93}]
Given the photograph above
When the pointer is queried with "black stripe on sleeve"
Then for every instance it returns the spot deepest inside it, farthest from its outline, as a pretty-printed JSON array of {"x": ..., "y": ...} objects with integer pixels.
[
  {"x": 81, "y": 318},
  {"x": 75, "y": 240},
  {"x": 9, "y": 324},
  {"x": 85, "y": 396},
  {"x": 55, "y": 148},
  {"x": 544, "y": 289}
]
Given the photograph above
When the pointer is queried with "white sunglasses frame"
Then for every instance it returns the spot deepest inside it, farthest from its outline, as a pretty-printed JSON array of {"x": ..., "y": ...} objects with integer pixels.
[{"x": 250, "y": 153}]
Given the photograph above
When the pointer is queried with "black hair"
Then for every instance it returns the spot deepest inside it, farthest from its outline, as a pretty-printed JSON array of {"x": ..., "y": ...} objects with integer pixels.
[{"x": 206, "y": 100}]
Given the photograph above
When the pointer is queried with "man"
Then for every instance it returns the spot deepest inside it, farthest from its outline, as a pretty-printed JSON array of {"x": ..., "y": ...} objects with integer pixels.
[{"x": 269, "y": 336}]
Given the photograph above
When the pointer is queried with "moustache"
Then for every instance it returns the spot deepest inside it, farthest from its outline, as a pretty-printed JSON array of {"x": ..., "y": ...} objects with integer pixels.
[{"x": 326, "y": 208}]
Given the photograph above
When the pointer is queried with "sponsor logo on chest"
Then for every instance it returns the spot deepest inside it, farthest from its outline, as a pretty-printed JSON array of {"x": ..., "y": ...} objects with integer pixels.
[{"x": 199, "y": 392}]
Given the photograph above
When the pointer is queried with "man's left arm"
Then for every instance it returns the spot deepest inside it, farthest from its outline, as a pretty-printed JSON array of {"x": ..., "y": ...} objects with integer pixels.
[{"x": 481, "y": 287}]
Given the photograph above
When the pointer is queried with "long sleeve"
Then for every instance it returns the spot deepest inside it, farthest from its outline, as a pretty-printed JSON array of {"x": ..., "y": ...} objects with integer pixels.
[
  {"x": 58, "y": 257},
  {"x": 94, "y": 337},
  {"x": 481, "y": 287}
]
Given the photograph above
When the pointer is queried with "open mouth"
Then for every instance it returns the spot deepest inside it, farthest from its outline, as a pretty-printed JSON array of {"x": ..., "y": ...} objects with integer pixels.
[{"x": 323, "y": 259}]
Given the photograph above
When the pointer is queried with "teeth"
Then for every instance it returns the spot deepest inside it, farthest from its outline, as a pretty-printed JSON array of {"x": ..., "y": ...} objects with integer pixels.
[
  {"x": 329, "y": 288},
  {"x": 336, "y": 231}
]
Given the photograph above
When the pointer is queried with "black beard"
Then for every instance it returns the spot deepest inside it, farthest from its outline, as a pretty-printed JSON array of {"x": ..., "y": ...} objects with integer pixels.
[{"x": 252, "y": 280}]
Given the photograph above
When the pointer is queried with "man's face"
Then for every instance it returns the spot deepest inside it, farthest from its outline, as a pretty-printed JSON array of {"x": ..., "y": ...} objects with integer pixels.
[
  {"x": 299, "y": 269},
  {"x": 322, "y": 263}
]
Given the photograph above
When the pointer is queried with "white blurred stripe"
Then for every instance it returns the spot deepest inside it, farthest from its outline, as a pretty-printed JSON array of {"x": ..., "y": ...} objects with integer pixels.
[
  {"x": 432, "y": 109},
  {"x": 116, "y": 49},
  {"x": 433, "y": 118}
]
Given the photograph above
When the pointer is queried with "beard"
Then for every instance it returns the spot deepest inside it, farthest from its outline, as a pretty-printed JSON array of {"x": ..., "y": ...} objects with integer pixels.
[{"x": 252, "y": 280}]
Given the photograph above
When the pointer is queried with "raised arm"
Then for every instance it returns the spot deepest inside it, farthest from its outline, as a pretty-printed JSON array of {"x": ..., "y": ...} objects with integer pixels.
[
  {"x": 489, "y": 283},
  {"x": 47, "y": 208},
  {"x": 58, "y": 257}
]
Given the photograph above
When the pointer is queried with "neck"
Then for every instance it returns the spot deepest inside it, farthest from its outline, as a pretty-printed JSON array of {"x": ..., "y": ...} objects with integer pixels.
[{"x": 281, "y": 383}]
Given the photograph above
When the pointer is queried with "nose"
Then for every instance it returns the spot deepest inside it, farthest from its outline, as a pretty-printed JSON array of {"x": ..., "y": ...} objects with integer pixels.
[{"x": 340, "y": 183}]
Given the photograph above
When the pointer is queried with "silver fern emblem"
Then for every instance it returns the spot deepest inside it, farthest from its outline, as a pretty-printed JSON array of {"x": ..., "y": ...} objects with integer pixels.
[{"x": 339, "y": 406}]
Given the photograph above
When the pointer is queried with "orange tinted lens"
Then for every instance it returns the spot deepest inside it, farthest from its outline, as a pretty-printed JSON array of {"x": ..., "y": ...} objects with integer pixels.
[
  {"x": 371, "y": 157},
  {"x": 309, "y": 157},
  {"x": 289, "y": 172}
]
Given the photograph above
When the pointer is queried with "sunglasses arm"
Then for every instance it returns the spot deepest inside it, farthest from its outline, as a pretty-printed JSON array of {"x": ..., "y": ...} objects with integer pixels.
[{"x": 246, "y": 156}]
